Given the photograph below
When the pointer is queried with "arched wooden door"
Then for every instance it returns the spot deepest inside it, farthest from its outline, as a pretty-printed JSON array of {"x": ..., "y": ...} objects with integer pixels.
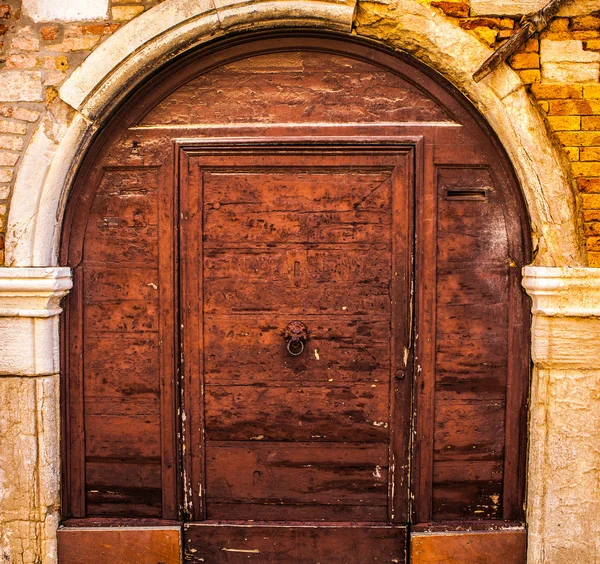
[{"x": 308, "y": 178}]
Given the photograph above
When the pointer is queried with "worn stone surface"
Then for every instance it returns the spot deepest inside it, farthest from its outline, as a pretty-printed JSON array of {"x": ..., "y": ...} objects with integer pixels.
[
  {"x": 563, "y": 499},
  {"x": 29, "y": 469},
  {"x": 61, "y": 10},
  {"x": 21, "y": 86}
]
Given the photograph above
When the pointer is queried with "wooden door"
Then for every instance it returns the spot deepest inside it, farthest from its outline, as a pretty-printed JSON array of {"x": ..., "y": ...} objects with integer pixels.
[
  {"x": 280, "y": 177},
  {"x": 312, "y": 446}
]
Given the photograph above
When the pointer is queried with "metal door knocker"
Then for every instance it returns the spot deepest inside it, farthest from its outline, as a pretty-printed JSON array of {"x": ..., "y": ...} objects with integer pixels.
[{"x": 296, "y": 335}]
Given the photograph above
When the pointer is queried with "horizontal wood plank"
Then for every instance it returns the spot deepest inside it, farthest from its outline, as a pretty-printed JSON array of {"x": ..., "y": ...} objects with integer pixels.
[
  {"x": 469, "y": 547},
  {"x": 355, "y": 413},
  {"x": 304, "y": 544},
  {"x": 251, "y": 349},
  {"x": 119, "y": 545},
  {"x": 297, "y": 473}
]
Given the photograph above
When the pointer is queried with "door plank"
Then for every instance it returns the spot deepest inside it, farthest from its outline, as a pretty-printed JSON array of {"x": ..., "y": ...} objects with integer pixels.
[
  {"x": 292, "y": 413},
  {"x": 250, "y": 349},
  {"x": 297, "y": 473},
  {"x": 304, "y": 544}
]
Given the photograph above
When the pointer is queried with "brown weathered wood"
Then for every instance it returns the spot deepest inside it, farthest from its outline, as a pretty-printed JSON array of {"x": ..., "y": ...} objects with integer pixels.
[
  {"x": 303, "y": 544},
  {"x": 119, "y": 545},
  {"x": 494, "y": 547},
  {"x": 293, "y": 475}
]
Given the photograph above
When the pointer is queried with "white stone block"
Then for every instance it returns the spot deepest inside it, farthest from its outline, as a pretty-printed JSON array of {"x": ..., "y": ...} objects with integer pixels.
[
  {"x": 21, "y": 86},
  {"x": 570, "y": 72},
  {"x": 61, "y": 10},
  {"x": 568, "y": 51}
]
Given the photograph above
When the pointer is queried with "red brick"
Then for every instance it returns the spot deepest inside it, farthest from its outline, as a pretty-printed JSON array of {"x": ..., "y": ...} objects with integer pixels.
[
  {"x": 472, "y": 23},
  {"x": 455, "y": 9},
  {"x": 49, "y": 32}
]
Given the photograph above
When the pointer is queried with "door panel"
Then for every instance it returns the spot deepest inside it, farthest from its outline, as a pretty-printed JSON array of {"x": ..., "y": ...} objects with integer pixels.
[{"x": 321, "y": 237}]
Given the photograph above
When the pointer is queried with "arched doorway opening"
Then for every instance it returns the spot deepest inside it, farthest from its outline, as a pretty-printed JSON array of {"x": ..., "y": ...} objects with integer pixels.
[{"x": 296, "y": 176}]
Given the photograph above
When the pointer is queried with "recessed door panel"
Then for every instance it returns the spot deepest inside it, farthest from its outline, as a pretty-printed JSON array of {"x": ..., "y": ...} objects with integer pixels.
[{"x": 317, "y": 433}]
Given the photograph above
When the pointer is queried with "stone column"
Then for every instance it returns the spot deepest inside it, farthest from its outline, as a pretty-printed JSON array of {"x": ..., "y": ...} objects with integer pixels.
[
  {"x": 563, "y": 497},
  {"x": 29, "y": 412}
]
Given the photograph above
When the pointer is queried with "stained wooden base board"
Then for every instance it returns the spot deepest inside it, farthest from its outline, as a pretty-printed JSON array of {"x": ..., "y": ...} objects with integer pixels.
[
  {"x": 473, "y": 547},
  {"x": 119, "y": 545}
]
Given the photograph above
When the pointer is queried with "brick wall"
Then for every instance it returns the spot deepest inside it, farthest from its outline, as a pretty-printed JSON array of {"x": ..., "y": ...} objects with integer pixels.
[{"x": 561, "y": 67}]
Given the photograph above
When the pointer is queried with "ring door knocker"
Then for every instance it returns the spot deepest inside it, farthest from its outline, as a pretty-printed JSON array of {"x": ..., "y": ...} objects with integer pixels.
[{"x": 296, "y": 335}]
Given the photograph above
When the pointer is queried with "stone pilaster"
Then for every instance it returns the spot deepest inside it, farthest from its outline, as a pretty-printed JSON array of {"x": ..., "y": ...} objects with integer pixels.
[
  {"x": 29, "y": 413},
  {"x": 563, "y": 497}
]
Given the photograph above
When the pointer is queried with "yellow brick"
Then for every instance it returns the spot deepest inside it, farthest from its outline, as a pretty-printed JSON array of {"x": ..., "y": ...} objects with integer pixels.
[
  {"x": 125, "y": 13},
  {"x": 532, "y": 45},
  {"x": 579, "y": 138},
  {"x": 556, "y": 91},
  {"x": 593, "y": 244},
  {"x": 591, "y": 215},
  {"x": 589, "y": 186},
  {"x": 591, "y": 91},
  {"x": 574, "y": 107},
  {"x": 592, "y": 45},
  {"x": 591, "y": 229},
  {"x": 590, "y": 154},
  {"x": 591, "y": 201},
  {"x": 586, "y": 169},
  {"x": 590, "y": 122},
  {"x": 556, "y": 35},
  {"x": 594, "y": 260},
  {"x": 530, "y": 76},
  {"x": 544, "y": 105},
  {"x": 486, "y": 34},
  {"x": 585, "y": 35},
  {"x": 559, "y": 24},
  {"x": 565, "y": 123},
  {"x": 572, "y": 153},
  {"x": 525, "y": 61}
]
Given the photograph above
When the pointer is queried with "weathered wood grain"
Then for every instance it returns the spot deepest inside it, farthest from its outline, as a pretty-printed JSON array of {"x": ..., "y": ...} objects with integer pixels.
[
  {"x": 469, "y": 547},
  {"x": 293, "y": 474},
  {"x": 299, "y": 544},
  {"x": 296, "y": 87},
  {"x": 250, "y": 349},
  {"x": 142, "y": 545},
  {"x": 292, "y": 413}
]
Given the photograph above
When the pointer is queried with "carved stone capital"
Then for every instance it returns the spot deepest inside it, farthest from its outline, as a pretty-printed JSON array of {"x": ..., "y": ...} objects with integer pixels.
[
  {"x": 563, "y": 292},
  {"x": 33, "y": 292}
]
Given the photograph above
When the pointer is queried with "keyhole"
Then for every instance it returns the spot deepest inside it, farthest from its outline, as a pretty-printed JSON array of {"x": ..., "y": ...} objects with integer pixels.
[{"x": 296, "y": 268}]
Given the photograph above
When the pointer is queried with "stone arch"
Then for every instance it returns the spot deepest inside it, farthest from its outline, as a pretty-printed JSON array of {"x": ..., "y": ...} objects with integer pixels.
[{"x": 173, "y": 27}]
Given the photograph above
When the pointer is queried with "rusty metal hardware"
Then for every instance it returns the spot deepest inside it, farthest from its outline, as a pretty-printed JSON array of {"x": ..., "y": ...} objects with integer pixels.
[{"x": 296, "y": 335}]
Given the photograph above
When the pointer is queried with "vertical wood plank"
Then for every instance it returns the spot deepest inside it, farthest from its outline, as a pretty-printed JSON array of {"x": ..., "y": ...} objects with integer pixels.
[
  {"x": 516, "y": 398},
  {"x": 424, "y": 366},
  {"x": 192, "y": 328},
  {"x": 401, "y": 370},
  {"x": 167, "y": 272},
  {"x": 75, "y": 419}
]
